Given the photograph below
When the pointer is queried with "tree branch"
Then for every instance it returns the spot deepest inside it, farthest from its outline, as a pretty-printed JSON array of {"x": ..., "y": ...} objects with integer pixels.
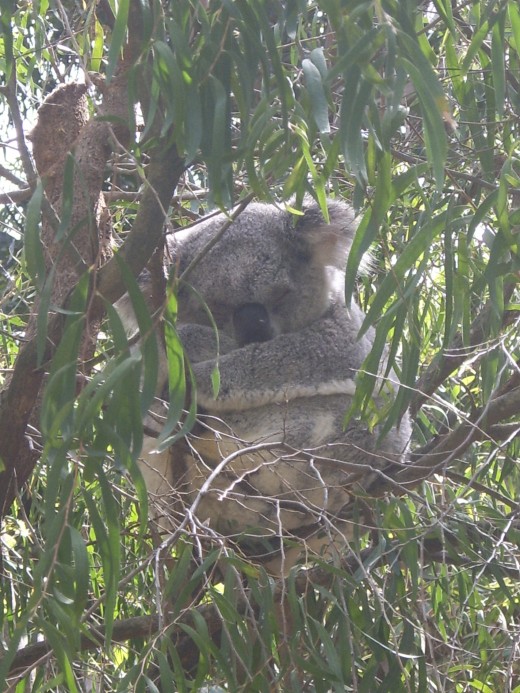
[
  {"x": 63, "y": 112},
  {"x": 452, "y": 445}
]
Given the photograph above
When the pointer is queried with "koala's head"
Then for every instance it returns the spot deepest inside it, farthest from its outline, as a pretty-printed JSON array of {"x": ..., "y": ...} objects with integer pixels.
[{"x": 292, "y": 265}]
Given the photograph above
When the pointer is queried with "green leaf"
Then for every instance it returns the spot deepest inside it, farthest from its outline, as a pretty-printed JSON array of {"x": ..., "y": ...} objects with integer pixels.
[
  {"x": 193, "y": 123},
  {"x": 476, "y": 42},
  {"x": 353, "y": 147},
  {"x": 34, "y": 257},
  {"x": 514, "y": 17},
  {"x": 318, "y": 99},
  {"x": 417, "y": 246},
  {"x": 97, "y": 390},
  {"x": 81, "y": 570},
  {"x": 220, "y": 137},
  {"x": 108, "y": 537},
  {"x": 98, "y": 46},
  {"x": 370, "y": 224},
  {"x": 6, "y": 30},
  {"x": 118, "y": 37},
  {"x": 148, "y": 342},
  {"x": 359, "y": 53},
  {"x": 59, "y": 646},
  {"x": 67, "y": 198},
  {"x": 176, "y": 376},
  {"x": 434, "y": 107},
  {"x": 42, "y": 318},
  {"x": 60, "y": 392},
  {"x": 498, "y": 51}
]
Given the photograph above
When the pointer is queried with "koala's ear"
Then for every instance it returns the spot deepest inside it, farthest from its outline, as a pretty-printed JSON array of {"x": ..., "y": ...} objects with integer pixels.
[
  {"x": 329, "y": 243},
  {"x": 181, "y": 248}
]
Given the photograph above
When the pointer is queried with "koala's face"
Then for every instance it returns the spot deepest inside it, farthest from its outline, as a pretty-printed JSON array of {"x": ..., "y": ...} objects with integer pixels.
[{"x": 294, "y": 269}]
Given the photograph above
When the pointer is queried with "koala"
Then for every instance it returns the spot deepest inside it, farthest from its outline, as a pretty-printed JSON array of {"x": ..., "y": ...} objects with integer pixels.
[{"x": 270, "y": 457}]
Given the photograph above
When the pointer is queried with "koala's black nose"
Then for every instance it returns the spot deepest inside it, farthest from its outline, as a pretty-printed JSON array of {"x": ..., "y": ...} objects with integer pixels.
[{"x": 251, "y": 323}]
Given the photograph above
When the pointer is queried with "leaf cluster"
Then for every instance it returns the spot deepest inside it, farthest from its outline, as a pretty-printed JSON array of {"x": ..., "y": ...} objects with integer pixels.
[{"x": 409, "y": 110}]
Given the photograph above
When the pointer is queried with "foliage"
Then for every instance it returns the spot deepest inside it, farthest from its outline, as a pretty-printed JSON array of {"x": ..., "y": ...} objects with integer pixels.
[{"x": 408, "y": 109}]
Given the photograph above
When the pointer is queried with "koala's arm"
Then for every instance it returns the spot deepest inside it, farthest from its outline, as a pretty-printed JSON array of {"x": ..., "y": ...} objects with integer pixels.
[
  {"x": 321, "y": 359},
  {"x": 200, "y": 342}
]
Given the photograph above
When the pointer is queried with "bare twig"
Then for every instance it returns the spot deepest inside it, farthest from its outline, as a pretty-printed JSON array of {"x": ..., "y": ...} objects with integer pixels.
[
  {"x": 23, "y": 150},
  {"x": 10, "y": 176},
  {"x": 458, "y": 352},
  {"x": 16, "y": 196}
]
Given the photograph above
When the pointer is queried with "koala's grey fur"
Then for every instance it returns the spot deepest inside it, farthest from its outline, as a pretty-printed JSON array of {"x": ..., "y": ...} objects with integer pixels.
[{"x": 291, "y": 387}]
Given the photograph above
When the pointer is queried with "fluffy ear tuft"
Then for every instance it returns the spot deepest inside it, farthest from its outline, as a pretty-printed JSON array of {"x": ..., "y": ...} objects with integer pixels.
[{"x": 329, "y": 242}]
